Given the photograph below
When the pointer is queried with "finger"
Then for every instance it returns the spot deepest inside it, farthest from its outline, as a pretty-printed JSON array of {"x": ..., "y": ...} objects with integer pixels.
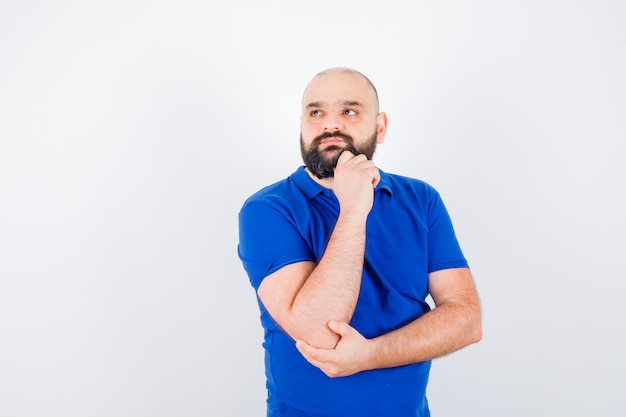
[
  {"x": 344, "y": 157},
  {"x": 302, "y": 346},
  {"x": 371, "y": 169},
  {"x": 304, "y": 349},
  {"x": 323, "y": 359},
  {"x": 339, "y": 327},
  {"x": 376, "y": 178},
  {"x": 358, "y": 159},
  {"x": 312, "y": 361},
  {"x": 315, "y": 356}
]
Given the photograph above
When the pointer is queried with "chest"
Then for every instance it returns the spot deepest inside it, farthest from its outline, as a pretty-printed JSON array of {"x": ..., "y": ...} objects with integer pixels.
[{"x": 396, "y": 238}]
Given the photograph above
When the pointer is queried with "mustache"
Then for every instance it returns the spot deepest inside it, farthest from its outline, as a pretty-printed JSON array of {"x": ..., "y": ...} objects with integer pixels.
[{"x": 318, "y": 139}]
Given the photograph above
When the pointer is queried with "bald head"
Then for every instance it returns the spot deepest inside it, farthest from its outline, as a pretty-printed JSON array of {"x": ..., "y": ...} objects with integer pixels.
[{"x": 335, "y": 75}]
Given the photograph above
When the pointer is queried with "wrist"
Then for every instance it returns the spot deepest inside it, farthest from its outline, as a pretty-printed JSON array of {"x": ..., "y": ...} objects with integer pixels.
[
  {"x": 372, "y": 354},
  {"x": 354, "y": 216}
]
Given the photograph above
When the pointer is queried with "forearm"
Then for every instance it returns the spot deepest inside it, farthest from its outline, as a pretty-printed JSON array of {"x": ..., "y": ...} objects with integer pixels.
[
  {"x": 303, "y": 297},
  {"x": 443, "y": 330},
  {"x": 331, "y": 290}
]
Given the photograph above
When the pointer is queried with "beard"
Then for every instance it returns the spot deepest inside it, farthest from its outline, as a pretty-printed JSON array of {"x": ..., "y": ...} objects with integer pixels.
[{"x": 322, "y": 163}]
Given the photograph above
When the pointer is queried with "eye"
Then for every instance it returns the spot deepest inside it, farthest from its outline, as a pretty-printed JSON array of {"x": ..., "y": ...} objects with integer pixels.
[
  {"x": 316, "y": 113},
  {"x": 349, "y": 112}
]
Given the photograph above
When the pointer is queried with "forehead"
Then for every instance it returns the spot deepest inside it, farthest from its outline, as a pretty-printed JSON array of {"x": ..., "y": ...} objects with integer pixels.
[{"x": 336, "y": 87}]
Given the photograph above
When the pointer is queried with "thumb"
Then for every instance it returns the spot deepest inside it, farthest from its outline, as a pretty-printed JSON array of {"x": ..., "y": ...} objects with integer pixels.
[{"x": 339, "y": 327}]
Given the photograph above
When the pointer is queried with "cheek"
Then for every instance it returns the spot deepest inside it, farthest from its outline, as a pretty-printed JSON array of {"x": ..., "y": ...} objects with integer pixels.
[
  {"x": 308, "y": 133},
  {"x": 305, "y": 140},
  {"x": 309, "y": 127}
]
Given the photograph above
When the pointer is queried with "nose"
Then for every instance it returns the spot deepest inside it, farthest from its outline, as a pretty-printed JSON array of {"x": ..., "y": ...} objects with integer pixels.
[{"x": 332, "y": 124}]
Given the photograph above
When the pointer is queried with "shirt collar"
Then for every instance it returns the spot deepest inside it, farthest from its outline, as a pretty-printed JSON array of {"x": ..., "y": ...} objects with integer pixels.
[{"x": 311, "y": 189}]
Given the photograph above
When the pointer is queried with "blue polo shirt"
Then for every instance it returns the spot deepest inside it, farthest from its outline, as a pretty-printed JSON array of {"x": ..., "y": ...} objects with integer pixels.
[{"x": 409, "y": 234}]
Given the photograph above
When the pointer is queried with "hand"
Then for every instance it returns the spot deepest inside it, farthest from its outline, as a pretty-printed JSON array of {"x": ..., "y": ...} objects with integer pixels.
[
  {"x": 354, "y": 182},
  {"x": 350, "y": 356}
]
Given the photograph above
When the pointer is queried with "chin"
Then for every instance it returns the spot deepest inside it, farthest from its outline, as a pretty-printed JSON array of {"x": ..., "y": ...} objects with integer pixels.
[{"x": 332, "y": 151}]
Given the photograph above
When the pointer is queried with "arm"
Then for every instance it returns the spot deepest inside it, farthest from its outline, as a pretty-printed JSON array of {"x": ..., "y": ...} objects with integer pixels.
[
  {"x": 454, "y": 323},
  {"x": 303, "y": 297}
]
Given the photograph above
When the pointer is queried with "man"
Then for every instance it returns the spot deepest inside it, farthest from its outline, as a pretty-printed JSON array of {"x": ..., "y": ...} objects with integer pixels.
[{"x": 342, "y": 256}]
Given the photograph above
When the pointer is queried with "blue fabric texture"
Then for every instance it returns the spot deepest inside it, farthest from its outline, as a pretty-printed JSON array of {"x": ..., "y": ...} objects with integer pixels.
[{"x": 409, "y": 234}]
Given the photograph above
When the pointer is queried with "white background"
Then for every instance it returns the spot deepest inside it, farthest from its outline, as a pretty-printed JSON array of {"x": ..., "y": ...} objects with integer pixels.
[{"x": 132, "y": 131}]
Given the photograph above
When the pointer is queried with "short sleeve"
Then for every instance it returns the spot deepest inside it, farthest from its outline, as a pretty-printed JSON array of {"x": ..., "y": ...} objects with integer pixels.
[
  {"x": 444, "y": 250},
  {"x": 269, "y": 239}
]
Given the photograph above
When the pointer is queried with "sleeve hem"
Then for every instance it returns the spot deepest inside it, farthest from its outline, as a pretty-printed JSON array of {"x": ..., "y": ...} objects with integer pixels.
[{"x": 457, "y": 263}]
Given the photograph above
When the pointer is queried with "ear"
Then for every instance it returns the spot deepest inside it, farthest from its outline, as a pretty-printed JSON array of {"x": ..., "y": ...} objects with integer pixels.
[{"x": 381, "y": 126}]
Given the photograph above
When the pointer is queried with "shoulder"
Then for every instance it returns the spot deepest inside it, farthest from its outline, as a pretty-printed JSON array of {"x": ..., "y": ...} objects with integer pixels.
[
  {"x": 404, "y": 186},
  {"x": 285, "y": 193},
  {"x": 270, "y": 191}
]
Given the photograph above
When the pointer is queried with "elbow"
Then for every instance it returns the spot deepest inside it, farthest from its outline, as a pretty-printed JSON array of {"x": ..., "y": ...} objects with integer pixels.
[
  {"x": 320, "y": 337},
  {"x": 476, "y": 328},
  {"x": 477, "y": 333},
  {"x": 314, "y": 331}
]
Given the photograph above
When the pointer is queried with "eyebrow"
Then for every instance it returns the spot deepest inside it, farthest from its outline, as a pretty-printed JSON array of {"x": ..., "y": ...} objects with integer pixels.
[{"x": 345, "y": 103}]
